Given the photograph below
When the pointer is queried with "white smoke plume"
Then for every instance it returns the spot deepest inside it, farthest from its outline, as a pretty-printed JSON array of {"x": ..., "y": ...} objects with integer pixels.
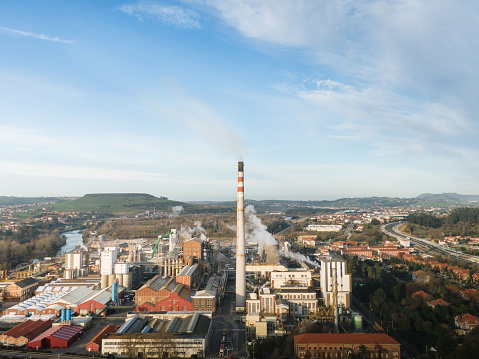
[
  {"x": 255, "y": 231},
  {"x": 196, "y": 231},
  {"x": 230, "y": 227},
  {"x": 176, "y": 211},
  {"x": 299, "y": 257}
]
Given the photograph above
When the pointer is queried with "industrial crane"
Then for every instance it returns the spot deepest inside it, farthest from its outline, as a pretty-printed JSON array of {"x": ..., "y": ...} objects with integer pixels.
[{"x": 157, "y": 242}]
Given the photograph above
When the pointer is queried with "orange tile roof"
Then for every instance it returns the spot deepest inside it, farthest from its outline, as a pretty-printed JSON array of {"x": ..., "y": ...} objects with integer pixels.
[
  {"x": 438, "y": 302},
  {"x": 421, "y": 294},
  {"x": 467, "y": 318}
]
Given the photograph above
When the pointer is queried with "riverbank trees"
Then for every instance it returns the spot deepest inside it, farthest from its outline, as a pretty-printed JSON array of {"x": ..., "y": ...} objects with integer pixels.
[{"x": 27, "y": 243}]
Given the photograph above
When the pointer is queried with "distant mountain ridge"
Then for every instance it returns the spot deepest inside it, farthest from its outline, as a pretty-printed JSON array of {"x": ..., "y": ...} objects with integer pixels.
[
  {"x": 454, "y": 197},
  {"x": 11, "y": 200},
  {"x": 119, "y": 203},
  {"x": 135, "y": 203}
]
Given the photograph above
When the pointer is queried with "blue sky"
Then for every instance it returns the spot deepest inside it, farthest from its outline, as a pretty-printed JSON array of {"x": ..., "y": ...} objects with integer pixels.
[{"x": 321, "y": 99}]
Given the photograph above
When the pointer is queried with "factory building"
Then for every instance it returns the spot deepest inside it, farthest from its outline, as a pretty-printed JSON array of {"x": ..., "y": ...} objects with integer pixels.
[
  {"x": 330, "y": 345},
  {"x": 108, "y": 258},
  {"x": 155, "y": 290},
  {"x": 171, "y": 265},
  {"x": 95, "y": 344},
  {"x": 291, "y": 277},
  {"x": 99, "y": 299},
  {"x": 20, "y": 290},
  {"x": 334, "y": 271},
  {"x": 67, "y": 285},
  {"x": 181, "y": 337},
  {"x": 24, "y": 332},
  {"x": 57, "y": 337},
  {"x": 209, "y": 296},
  {"x": 189, "y": 276},
  {"x": 76, "y": 264}
]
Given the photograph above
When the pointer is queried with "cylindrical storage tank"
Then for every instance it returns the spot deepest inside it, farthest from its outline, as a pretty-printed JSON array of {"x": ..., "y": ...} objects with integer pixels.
[
  {"x": 114, "y": 292},
  {"x": 63, "y": 315},
  {"x": 340, "y": 310},
  {"x": 69, "y": 314},
  {"x": 104, "y": 281},
  {"x": 358, "y": 322},
  {"x": 111, "y": 279},
  {"x": 126, "y": 280},
  {"x": 119, "y": 278},
  {"x": 67, "y": 274}
]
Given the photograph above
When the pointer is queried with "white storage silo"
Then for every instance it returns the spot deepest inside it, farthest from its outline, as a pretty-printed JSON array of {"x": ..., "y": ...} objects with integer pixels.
[
  {"x": 111, "y": 279},
  {"x": 104, "y": 281}
]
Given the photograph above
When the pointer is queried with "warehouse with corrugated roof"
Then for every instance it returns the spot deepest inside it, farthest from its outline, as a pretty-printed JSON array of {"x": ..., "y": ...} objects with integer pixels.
[
  {"x": 57, "y": 337},
  {"x": 182, "y": 336},
  {"x": 24, "y": 332}
]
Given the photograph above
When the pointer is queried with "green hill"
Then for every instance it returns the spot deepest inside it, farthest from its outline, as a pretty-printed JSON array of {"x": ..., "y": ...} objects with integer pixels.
[
  {"x": 119, "y": 203},
  {"x": 9, "y": 200}
]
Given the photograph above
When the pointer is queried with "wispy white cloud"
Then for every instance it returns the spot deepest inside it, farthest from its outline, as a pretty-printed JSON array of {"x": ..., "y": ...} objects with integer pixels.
[
  {"x": 200, "y": 119},
  {"x": 405, "y": 62},
  {"x": 37, "y": 36},
  {"x": 168, "y": 14}
]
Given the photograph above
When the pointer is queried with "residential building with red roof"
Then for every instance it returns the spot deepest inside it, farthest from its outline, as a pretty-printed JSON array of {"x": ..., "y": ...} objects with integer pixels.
[
  {"x": 420, "y": 294},
  {"x": 470, "y": 294},
  {"x": 464, "y": 274},
  {"x": 358, "y": 252},
  {"x": 453, "y": 268},
  {"x": 465, "y": 323},
  {"x": 332, "y": 345},
  {"x": 436, "y": 302}
]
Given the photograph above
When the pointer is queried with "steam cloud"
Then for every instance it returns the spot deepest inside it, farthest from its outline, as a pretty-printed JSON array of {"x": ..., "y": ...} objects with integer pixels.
[
  {"x": 196, "y": 231},
  {"x": 255, "y": 231},
  {"x": 230, "y": 227},
  {"x": 299, "y": 257},
  {"x": 176, "y": 211}
]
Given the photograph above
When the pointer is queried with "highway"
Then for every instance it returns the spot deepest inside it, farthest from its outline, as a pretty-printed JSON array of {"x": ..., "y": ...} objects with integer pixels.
[{"x": 392, "y": 229}]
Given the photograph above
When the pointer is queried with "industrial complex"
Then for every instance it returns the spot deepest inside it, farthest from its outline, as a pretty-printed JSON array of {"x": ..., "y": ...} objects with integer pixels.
[{"x": 181, "y": 296}]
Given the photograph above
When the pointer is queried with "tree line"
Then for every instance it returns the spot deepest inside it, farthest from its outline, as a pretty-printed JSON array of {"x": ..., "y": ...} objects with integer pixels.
[
  {"x": 27, "y": 243},
  {"x": 460, "y": 222}
]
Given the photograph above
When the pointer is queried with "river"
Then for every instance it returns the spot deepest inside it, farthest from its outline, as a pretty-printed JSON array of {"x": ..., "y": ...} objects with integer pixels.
[{"x": 74, "y": 239}]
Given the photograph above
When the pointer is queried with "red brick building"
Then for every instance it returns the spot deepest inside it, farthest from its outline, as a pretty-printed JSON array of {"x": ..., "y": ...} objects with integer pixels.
[
  {"x": 195, "y": 247},
  {"x": 179, "y": 300},
  {"x": 189, "y": 276},
  {"x": 95, "y": 344},
  {"x": 156, "y": 289},
  {"x": 21, "y": 290}
]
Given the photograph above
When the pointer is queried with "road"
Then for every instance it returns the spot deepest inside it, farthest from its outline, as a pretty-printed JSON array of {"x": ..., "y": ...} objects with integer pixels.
[
  {"x": 226, "y": 317},
  {"x": 392, "y": 229},
  {"x": 32, "y": 354}
]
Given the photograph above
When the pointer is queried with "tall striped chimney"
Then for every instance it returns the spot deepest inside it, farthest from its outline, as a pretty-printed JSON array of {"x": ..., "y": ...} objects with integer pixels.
[{"x": 240, "y": 242}]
